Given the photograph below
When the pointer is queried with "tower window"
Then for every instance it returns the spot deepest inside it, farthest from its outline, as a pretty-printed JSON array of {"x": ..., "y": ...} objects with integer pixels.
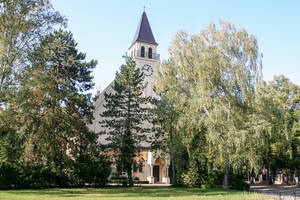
[
  {"x": 150, "y": 52},
  {"x": 142, "y": 51}
]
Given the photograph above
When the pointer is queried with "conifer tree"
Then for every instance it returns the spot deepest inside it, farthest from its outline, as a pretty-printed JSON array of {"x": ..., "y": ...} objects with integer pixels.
[
  {"x": 54, "y": 108},
  {"x": 125, "y": 113}
]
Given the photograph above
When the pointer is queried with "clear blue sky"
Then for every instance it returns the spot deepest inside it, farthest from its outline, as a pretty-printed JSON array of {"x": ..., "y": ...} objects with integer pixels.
[{"x": 104, "y": 29}]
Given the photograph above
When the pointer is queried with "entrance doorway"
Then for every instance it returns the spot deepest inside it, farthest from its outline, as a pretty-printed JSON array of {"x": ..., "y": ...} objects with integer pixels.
[{"x": 156, "y": 173}]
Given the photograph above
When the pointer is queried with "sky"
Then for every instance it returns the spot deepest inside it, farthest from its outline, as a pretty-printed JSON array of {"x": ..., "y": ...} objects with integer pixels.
[{"x": 104, "y": 29}]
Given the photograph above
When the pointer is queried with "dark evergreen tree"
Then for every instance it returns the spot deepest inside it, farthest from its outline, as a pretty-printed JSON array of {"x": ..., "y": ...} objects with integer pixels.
[
  {"x": 54, "y": 107},
  {"x": 126, "y": 113}
]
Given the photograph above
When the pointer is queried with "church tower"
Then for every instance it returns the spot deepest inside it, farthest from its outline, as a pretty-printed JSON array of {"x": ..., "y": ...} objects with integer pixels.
[{"x": 144, "y": 51}]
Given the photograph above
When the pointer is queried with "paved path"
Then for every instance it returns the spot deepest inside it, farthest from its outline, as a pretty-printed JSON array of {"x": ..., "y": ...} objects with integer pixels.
[{"x": 283, "y": 192}]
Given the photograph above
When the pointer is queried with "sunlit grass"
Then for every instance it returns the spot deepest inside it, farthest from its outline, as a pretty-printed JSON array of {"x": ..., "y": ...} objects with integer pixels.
[{"x": 136, "y": 193}]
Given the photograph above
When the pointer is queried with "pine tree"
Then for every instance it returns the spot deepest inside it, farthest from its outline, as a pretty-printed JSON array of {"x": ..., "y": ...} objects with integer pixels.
[
  {"x": 53, "y": 105},
  {"x": 126, "y": 112}
]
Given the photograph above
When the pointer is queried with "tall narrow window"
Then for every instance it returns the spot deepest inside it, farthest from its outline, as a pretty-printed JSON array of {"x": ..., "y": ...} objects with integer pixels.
[
  {"x": 150, "y": 52},
  {"x": 142, "y": 51}
]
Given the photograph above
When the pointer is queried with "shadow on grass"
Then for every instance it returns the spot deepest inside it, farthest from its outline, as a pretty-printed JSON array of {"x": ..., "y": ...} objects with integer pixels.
[{"x": 125, "y": 192}]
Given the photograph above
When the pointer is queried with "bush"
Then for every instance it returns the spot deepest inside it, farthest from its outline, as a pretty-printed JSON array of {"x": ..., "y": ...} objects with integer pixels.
[
  {"x": 211, "y": 180},
  {"x": 93, "y": 170},
  {"x": 124, "y": 181},
  {"x": 178, "y": 179},
  {"x": 190, "y": 178},
  {"x": 8, "y": 175},
  {"x": 141, "y": 182},
  {"x": 28, "y": 175},
  {"x": 237, "y": 183}
]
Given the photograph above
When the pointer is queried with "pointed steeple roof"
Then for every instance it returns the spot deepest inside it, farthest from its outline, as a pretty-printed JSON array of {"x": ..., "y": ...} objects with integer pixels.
[{"x": 143, "y": 32}]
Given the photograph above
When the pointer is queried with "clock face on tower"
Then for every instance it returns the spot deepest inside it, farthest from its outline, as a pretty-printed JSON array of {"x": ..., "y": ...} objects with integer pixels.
[{"x": 147, "y": 69}]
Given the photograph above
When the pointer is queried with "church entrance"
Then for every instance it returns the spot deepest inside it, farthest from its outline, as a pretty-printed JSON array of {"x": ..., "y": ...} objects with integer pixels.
[{"x": 156, "y": 173}]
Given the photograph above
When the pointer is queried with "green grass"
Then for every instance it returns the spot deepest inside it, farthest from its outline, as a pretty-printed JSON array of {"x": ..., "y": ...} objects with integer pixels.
[{"x": 135, "y": 193}]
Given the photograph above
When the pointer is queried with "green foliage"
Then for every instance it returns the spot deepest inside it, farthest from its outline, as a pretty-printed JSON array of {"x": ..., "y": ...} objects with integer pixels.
[
  {"x": 93, "y": 169},
  {"x": 52, "y": 105},
  {"x": 123, "y": 180},
  {"x": 211, "y": 180},
  {"x": 190, "y": 178},
  {"x": 125, "y": 112},
  {"x": 210, "y": 81},
  {"x": 215, "y": 110},
  {"x": 22, "y": 23},
  {"x": 237, "y": 183},
  {"x": 43, "y": 132},
  {"x": 8, "y": 175}
]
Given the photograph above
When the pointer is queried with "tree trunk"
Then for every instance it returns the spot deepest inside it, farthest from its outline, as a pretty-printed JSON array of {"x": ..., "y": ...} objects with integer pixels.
[
  {"x": 248, "y": 176},
  {"x": 129, "y": 174},
  {"x": 227, "y": 164},
  {"x": 171, "y": 155},
  {"x": 173, "y": 171},
  {"x": 226, "y": 174}
]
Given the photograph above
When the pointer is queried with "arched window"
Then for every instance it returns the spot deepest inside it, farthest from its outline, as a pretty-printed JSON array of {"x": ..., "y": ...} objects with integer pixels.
[
  {"x": 142, "y": 51},
  {"x": 150, "y": 52}
]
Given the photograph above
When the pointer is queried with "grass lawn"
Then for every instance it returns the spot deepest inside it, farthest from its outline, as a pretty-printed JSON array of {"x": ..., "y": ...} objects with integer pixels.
[{"x": 141, "y": 193}]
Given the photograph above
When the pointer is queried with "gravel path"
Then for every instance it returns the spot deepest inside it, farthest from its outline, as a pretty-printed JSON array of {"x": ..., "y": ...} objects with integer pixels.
[{"x": 282, "y": 192}]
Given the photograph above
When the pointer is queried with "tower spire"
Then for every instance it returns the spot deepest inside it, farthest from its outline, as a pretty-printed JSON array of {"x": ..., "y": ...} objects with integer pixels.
[{"x": 143, "y": 32}]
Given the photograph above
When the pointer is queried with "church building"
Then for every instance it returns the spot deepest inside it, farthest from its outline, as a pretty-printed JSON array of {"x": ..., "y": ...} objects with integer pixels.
[{"x": 144, "y": 51}]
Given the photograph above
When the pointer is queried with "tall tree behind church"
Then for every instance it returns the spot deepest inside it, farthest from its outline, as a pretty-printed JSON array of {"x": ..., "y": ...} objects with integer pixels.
[{"x": 124, "y": 114}]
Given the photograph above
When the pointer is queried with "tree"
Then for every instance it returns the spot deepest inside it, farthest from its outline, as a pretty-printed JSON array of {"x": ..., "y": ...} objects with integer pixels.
[
  {"x": 53, "y": 103},
  {"x": 284, "y": 147},
  {"x": 124, "y": 117},
  {"x": 165, "y": 117},
  {"x": 22, "y": 23},
  {"x": 213, "y": 81}
]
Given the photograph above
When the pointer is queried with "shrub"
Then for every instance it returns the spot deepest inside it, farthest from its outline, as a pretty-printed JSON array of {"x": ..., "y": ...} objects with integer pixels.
[
  {"x": 178, "y": 179},
  {"x": 237, "y": 183},
  {"x": 211, "y": 180},
  {"x": 93, "y": 170},
  {"x": 8, "y": 175},
  {"x": 190, "y": 178}
]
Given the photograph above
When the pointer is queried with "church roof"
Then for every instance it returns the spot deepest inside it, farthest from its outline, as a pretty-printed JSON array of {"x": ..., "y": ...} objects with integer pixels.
[{"x": 143, "y": 32}]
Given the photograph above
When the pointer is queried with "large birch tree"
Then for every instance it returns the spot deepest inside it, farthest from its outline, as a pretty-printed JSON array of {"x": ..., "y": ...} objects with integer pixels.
[{"x": 213, "y": 81}]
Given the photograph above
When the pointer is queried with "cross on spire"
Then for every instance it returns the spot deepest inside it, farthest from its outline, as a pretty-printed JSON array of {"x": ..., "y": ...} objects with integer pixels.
[{"x": 126, "y": 57}]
